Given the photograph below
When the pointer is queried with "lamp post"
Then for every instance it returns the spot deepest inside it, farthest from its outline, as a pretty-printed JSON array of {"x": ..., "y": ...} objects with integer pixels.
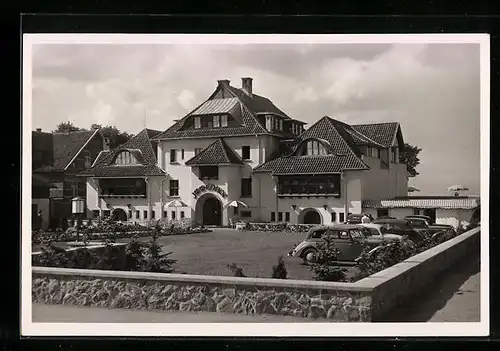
[{"x": 77, "y": 208}]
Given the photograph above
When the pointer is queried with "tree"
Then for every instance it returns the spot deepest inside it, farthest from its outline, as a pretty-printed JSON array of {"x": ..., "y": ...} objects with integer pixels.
[
  {"x": 117, "y": 137},
  {"x": 409, "y": 156},
  {"x": 66, "y": 127}
]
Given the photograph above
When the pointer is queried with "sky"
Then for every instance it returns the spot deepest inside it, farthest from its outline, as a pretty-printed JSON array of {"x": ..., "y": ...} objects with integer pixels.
[{"x": 432, "y": 90}]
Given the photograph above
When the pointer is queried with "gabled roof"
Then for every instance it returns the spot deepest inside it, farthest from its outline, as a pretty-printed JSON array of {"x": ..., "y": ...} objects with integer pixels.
[
  {"x": 382, "y": 133},
  {"x": 344, "y": 152},
  {"x": 65, "y": 148},
  {"x": 141, "y": 143},
  {"x": 232, "y": 98},
  {"x": 217, "y": 153},
  {"x": 466, "y": 203}
]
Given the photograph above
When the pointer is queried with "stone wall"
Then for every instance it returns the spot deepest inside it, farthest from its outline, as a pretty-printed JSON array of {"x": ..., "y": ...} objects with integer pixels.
[
  {"x": 174, "y": 292},
  {"x": 366, "y": 300}
]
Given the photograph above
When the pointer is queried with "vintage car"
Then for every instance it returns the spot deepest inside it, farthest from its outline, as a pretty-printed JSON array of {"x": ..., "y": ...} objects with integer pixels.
[
  {"x": 419, "y": 221},
  {"x": 404, "y": 228},
  {"x": 377, "y": 234},
  {"x": 354, "y": 218}
]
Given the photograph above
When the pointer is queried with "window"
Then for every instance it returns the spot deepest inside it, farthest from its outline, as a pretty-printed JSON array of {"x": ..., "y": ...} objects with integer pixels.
[
  {"x": 197, "y": 150},
  {"x": 245, "y": 152},
  {"x": 207, "y": 122},
  {"x": 95, "y": 213},
  {"x": 314, "y": 147},
  {"x": 209, "y": 172},
  {"x": 129, "y": 214},
  {"x": 125, "y": 158},
  {"x": 106, "y": 213},
  {"x": 382, "y": 212},
  {"x": 145, "y": 214},
  {"x": 182, "y": 214},
  {"x": 293, "y": 128},
  {"x": 173, "y": 214},
  {"x": 309, "y": 185},
  {"x": 416, "y": 211},
  {"x": 273, "y": 216},
  {"x": 153, "y": 214},
  {"x": 123, "y": 186},
  {"x": 216, "y": 120},
  {"x": 182, "y": 154},
  {"x": 280, "y": 216},
  {"x": 281, "y": 124},
  {"x": 137, "y": 215},
  {"x": 317, "y": 234},
  {"x": 334, "y": 216},
  {"x": 394, "y": 153},
  {"x": 246, "y": 187},
  {"x": 197, "y": 122},
  {"x": 246, "y": 214},
  {"x": 165, "y": 214},
  {"x": 287, "y": 216},
  {"x": 173, "y": 155},
  {"x": 223, "y": 121},
  {"x": 88, "y": 159},
  {"x": 174, "y": 187},
  {"x": 341, "y": 217}
]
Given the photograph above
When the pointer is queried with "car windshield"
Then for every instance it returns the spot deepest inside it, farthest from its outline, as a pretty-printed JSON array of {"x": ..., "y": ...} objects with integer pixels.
[
  {"x": 418, "y": 223},
  {"x": 356, "y": 234}
]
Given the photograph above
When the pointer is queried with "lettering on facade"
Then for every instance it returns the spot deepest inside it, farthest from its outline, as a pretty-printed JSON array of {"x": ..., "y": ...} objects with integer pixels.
[{"x": 209, "y": 187}]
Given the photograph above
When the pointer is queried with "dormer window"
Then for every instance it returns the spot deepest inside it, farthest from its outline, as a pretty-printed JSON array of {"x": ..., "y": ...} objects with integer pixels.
[
  {"x": 223, "y": 121},
  {"x": 314, "y": 147},
  {"x": 210, "y": 121},
  {"x": 281, "y": 124},
  {"x": 216, "y": 120},
  {"x": 197, "y": 122},
  {"x": 125, "y": 158}
]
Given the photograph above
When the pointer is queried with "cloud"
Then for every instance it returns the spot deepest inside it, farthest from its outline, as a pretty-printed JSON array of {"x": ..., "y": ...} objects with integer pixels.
[{"x": 432, "y": 90}]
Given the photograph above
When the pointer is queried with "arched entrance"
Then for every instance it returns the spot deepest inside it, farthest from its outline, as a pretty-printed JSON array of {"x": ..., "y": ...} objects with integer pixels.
[
  {"x": 310, "y": 216},
  {"x": 118, "y": 214},
  {"x": 209, "y": 210}
]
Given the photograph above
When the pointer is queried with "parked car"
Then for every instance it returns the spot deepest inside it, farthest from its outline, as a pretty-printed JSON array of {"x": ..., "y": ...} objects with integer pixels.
[
  {"x": 404, "y": 228},
  {"x": 419, "y": 221},
  {"x": 354, "y": 218},
  {"x": 377, "y": 234},
  {"x": 348, "y": 238}
]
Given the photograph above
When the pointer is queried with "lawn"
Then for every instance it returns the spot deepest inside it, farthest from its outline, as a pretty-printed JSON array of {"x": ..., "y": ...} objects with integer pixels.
[{"x": 255, "y": 252}]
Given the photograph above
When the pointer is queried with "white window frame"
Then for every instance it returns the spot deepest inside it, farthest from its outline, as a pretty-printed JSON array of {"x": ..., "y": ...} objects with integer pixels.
[
  {"x": 216, "y": 121},
  {"x": 197, "y": 122},
  {"x": 223, "y": 120}
]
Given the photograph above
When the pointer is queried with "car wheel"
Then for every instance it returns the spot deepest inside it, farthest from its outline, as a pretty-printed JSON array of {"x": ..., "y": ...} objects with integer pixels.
[{"x": 309, "y": 255}]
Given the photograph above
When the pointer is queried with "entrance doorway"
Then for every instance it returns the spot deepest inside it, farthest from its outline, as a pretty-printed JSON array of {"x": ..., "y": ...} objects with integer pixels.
[
  {"x": 119, "y": 215},
  {"x": 310, "y": 216},
  {"x": 212, "y": 212}
]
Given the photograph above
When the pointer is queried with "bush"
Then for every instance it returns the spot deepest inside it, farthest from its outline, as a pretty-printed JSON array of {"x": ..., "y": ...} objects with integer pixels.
[
  {"x": 134, "y": 255},
  {"x": 51, "y": 256},
  {"x": 237, "y": 271},
  {"x": 279, "y": 271},
  {"x": 154, "y": 260},
  {"x": 324, "y": 267}
]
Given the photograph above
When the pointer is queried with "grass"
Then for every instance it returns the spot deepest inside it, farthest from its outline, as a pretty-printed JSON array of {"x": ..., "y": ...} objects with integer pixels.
[{"x": 255, "y": 252}]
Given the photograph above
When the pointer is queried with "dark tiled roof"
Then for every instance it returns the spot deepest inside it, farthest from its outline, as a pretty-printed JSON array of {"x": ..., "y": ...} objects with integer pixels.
[
  {"x": 257, "y": 103},
  {"x": 103, "y": 167},
  {"x": 65, "y": 146},
  {"x": 250, "y": 127},
  {"x": 345, "y": 155},
  {"x": 310, "y": 165},
  {"x": 101, "y": 156},
  {"x": 382, "y": 133},
  {"x": 214, "y": 154},
  {"x": 450, "y": 203},
  {"x": 250, "y": 107}
]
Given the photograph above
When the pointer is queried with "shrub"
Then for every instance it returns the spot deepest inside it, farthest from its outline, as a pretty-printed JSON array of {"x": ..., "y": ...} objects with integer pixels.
[
  {"x": 155, "y": 260},
  {"x": 82, "y": 259},
  {"x": 237, "y": 271},
  {"x": 279, "y": 271},
  {"x": 324, "y": 267},
  {"x": 134, "y": 255},
  {"x": 51, "y": 256}
]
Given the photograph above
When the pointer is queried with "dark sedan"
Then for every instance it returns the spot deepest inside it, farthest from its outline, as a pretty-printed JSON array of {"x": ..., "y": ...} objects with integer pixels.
[{"x": 404, "y": 228}]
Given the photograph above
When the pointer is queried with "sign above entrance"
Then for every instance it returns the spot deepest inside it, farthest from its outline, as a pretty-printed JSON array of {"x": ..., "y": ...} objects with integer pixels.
[{"x": 209, "y": 187}]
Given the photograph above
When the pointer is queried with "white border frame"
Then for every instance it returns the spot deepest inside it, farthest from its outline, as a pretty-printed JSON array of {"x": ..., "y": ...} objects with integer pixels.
[{"x": 28, "y": 328}]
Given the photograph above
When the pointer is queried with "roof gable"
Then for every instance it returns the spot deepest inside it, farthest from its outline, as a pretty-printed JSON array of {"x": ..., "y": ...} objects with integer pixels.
[
  {"x": 142, "y": 148},
  {"x": 216, "y": 153},
  {"x": 382, "y": 133}
]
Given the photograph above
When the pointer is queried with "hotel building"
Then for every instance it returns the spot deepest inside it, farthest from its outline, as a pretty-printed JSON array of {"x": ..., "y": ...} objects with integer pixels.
[{"x": 239, "y": 146}]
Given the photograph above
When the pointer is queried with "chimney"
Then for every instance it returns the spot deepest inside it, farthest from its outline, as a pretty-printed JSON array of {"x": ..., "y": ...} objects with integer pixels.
[
  {"x": 224, "y": 82},
  {"x": 39, "y": 129},
  {"x": 106, "y": 144},
  {"x": 246, "y": 85}
]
